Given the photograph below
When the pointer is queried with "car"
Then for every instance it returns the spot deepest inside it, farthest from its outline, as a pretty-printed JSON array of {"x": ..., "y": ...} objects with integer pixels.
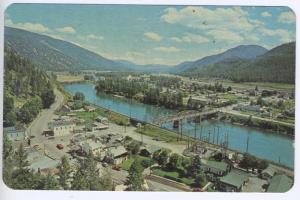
[{"x": 59, "y": 146}]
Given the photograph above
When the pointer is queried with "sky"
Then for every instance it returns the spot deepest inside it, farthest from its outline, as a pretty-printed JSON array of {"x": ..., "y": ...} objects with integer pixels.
[{"x": 146, "y": 34}]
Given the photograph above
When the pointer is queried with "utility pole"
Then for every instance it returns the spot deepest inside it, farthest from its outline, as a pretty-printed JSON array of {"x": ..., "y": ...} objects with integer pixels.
[
  {"x": 209, "y": 136},
  {"x": 218, "y": 135},
  {"x": 247, "y": 144},
  {"x": 214, "y": 135}
]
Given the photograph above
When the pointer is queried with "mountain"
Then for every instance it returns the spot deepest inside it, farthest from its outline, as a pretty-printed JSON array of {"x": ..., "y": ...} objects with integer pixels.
[
  {"x": 276, "y": 65},
  {"x": 55, "y": 54},
  {"x": 239, "y": 52}
]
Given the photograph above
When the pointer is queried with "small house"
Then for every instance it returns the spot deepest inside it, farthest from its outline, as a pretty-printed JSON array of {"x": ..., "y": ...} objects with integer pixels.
[
  {"x": 102, "y": 120},
  {"x": 280, "y": 183},
  {"x": 119, "y": 154},
  {"x": 15, "y": 134},
  {"x": 90, "y": 108},
  {"x": 215, "y": 167},
  {"x": 149, "y": 150},
  {"x": 268, "y": 173},
  {"x": 233, "y": 181}
]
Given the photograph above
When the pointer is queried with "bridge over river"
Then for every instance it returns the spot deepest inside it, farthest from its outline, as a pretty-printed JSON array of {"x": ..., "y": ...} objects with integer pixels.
[{"x": 185, "y": 115}]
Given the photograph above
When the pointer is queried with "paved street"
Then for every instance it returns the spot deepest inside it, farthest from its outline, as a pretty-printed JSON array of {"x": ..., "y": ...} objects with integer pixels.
[
  {"x": 37, "y": 127},
  {"x": 154, "y": 186}
]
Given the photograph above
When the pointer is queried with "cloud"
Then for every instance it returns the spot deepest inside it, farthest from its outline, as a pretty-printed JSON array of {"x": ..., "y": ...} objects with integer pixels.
[
  {"x": 198, "y": 17},
  {"x": 266, "y": 14},
  {"x": 94, "y": 37},
  {"x": 153, "y": 36},
  {"x": 287, "y": 17},
  {"x": 167, "y": 49},
  {"x": 34, "y": 27},
  {"x": 284, "y": 35},
  {"x": 225, "y": 35},
  {"x": 193, "y": 38},
  {"x": 66, "y": 29}
]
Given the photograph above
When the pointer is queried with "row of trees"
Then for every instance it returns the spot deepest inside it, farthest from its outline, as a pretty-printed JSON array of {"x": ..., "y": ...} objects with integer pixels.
[{"x": 151, "y": 95}]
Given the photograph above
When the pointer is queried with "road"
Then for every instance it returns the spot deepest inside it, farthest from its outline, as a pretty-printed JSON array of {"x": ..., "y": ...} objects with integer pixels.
[
  {"x": 158, "y": 187},
  {"x": 37, "y": 127}
]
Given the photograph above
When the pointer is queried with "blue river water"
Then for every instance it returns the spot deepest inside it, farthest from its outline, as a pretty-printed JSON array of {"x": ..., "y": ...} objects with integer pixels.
[{"x": 261, "y": 143}]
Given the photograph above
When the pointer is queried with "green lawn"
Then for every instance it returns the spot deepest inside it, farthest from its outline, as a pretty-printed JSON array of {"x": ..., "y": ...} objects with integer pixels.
[
  {"x": 127, "y": 163},
  {"x": 161, "y": 134},
  {"x": 173, "y": 175}
]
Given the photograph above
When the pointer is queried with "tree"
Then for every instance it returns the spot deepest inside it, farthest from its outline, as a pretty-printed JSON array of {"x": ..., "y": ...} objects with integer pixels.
[
  {"x": 134, "y": 147},
  {"x": 64, "y": 173},
  {"x": 161, "y": 157},
  {"x": 135, "y": 178},
  {"x": 200, "y": 179},
  {"x": 79, "y": 96},
  {"x": 48, "y": 97},
  {"x": 50, "y": 183},
  {"x": 79, "y": 180},
  {"x": 229, "y": 88},
  {"x": 248, "y": 161},
  {"x": 195, "y": 166},
  {"x": 174, "y": 161}
]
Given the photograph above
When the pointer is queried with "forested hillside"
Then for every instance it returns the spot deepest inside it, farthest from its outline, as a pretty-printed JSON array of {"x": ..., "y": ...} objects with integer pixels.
[
  {"x": 26, "y": 89},
  {"x": 277, "y": 65}
]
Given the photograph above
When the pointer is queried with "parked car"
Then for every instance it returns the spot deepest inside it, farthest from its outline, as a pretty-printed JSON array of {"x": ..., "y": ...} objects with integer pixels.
[{"x": 59, "y": 146}]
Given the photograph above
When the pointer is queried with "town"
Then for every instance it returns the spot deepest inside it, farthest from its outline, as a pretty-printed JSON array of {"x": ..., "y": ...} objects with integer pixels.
[{"x": 78, "y": 129}]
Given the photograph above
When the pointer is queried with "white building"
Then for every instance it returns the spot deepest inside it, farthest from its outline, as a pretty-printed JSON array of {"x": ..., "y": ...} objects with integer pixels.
[{"x": 61, "y": 128}]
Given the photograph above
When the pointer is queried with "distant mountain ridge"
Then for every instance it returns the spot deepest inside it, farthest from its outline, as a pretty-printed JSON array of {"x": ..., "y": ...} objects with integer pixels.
[
  {"x": 276, "y": 65},
  {"x": 239, "y": 52},
  {"x": 55, "y": 54}
]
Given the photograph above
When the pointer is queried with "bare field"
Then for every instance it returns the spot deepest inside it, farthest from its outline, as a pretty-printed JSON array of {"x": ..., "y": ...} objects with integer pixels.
[{"x": 69, "y": 78}]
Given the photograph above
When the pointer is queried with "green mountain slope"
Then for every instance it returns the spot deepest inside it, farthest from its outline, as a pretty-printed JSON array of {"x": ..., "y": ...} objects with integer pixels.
[{"x": 277, "y": 65}]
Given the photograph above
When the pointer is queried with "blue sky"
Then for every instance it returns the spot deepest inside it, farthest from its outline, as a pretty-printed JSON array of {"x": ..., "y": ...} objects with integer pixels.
[{"x": 156, "y": 34}]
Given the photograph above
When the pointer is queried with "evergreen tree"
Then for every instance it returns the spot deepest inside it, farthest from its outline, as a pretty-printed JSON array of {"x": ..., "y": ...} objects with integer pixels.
[
  {"x": 64, "y": 173},
  {"x": 135, "y": 178}
]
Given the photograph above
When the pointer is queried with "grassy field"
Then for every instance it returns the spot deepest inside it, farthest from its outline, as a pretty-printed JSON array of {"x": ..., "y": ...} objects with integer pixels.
[
  {"x": 173, "y": 175},
  {"x": 127, "y": 163},
  {"x": 91, "y": 116},
  {"x": 161, "y": 134},
  {"x": 65, "y": 78}
]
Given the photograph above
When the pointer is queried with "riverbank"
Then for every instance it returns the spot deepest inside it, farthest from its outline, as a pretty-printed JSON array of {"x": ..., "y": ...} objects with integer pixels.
[{"x": 261, "y": 143}]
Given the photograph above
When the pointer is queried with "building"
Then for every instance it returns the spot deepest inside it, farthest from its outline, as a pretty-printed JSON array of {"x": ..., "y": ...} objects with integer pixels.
[
  {"x": 233, "y": 181},
  {"x": 215, "y": 167},
  {"x": 119, "y": 154},
  {"x": 15, "y": 134},
  {"x": 65, "y": 108},
  {"x": 102, "y": 120},
  {"x": 280, "y": 183},
  {"x": 96, "y": 126},
  {"x": 149, "y": 150},
  {"x": 90, "y": 108},
  {"x": 61, "y": 128},
  {"x": 268, "y": 173},
  {"x": 96, "y": 148}
]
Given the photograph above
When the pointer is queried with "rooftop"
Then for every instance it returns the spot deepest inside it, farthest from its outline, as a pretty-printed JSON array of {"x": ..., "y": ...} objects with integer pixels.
[
  {"x": 280, "y": 183},
  {"x": 118, "y": 151},
  {"x": 235, "y": 178},
  {"x": 215, "y": 164}
]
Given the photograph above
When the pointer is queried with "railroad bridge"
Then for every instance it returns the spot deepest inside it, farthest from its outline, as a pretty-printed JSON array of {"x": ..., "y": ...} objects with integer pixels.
[{"x": 185, "y": 115}]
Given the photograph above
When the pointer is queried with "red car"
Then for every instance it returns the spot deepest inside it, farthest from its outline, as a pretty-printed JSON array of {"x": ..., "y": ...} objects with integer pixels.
[{"x": 59, "y": 146}]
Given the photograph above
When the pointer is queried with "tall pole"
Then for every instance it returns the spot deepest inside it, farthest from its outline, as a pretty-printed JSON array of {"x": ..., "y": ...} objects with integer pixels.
[
  {"x": 247, "y": 144},
  {"x": 195, "y": 131},
  {"x": 218, "y": 135},
  {"x": 209, "y": 136},
  {"x": 214, "y": 135}
]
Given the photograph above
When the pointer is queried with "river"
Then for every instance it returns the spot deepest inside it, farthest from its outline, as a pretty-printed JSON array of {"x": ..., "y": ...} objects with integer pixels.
[{"x": 261, "y": 143}]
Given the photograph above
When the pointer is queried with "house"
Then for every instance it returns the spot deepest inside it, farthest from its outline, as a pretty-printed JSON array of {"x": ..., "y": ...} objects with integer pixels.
[
  {"x": 102, "y": 120},
  {"x": 96, "y": 148},
  {"x": 15, "y": 134},
  {"x": 233, "y": 181},
  {"x": 90, "y": 108},
  {"x": 280, "y": 183},
  {"x": 149, "y": 150},
  {"x": 215, "y": 167},
  {"x": 61, "y": 128},
  {"x": 119, "y": 154},
  {"x": 96, "y": 126},
  {"x": 65, "y": 108},
  {"x": 268, "y": 173},
  {"x": 40, "y": 162}
]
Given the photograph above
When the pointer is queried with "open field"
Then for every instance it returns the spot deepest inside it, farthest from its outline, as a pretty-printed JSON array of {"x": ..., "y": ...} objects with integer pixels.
[{"x": 64, "y": 78}]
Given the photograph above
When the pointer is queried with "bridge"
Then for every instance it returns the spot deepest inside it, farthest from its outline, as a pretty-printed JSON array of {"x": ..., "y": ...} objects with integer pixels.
[{"x": 184, "y": 115}]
